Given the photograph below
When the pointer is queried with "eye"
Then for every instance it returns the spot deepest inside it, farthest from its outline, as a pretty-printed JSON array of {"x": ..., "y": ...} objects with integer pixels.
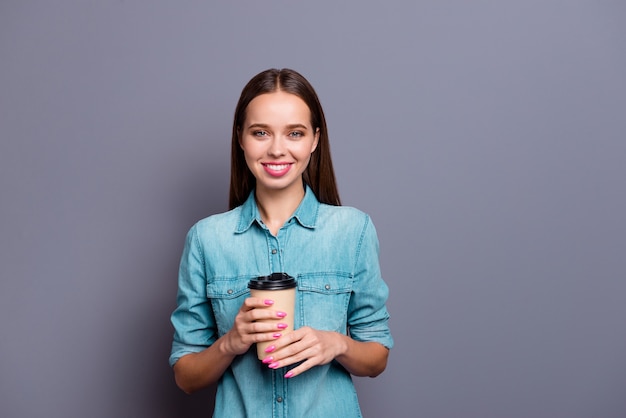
[
  {"x": 260, "y": 133},
  {"x": 296, "y": 134}
]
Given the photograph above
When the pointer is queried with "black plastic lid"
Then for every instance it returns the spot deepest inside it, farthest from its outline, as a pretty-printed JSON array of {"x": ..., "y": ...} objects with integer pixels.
[{"x": 275, "y": 281}]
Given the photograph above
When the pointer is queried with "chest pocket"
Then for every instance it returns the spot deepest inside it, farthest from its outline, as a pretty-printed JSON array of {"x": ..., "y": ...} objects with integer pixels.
[
  {"x": 323, "y": 301},
  {"x": 226, "y": 296}
]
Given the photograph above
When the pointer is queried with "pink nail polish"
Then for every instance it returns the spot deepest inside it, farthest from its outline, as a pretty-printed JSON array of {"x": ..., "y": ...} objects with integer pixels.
[
  {"x": 268, "y": 302},
  {"x": 268, "y": 359},
  {"x": 281, "y": 314},
  {"x": 270, "y": 349},
  {"x": 273, "y": 365},
  {"x": 281, "y": 326},
  {"x": 277, "y": 335},
  {"x": 288, "y": 375}
]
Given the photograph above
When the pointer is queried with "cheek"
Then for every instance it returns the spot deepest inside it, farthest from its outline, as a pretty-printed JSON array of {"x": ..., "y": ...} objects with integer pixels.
[
  {"x": 251, "y": 149},
  {"x": 248, "y": 156},
  {"x": 306, "y": 159},
  {"x": 306, "y": 149}
]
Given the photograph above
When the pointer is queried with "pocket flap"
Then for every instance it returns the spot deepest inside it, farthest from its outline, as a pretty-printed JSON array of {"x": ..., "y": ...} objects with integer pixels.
[
  {"x": 227, "y": 289},
  {"x": 334, "y": 283}
]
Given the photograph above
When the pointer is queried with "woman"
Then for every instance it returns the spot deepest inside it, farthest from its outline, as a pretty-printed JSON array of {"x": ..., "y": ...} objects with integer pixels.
[{"x": 285, "y": 216}]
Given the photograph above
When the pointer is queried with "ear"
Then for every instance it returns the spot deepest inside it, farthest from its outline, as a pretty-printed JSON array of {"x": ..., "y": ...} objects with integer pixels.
[{"x": 316, "y": 141}]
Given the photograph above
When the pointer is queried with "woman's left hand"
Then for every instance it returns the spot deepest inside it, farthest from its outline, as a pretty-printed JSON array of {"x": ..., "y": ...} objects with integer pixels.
[{"x": 312, "y": 347}]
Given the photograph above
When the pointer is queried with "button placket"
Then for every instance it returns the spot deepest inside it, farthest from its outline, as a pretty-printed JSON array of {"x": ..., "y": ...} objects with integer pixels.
[{"x": 274, "y": 253}]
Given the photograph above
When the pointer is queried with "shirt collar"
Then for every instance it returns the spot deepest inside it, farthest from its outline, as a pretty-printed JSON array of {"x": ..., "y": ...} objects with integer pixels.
[{"x": 305, "y": 214}]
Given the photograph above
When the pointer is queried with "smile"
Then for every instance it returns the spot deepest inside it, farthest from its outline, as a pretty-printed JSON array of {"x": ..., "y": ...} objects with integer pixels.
[{"x": 277, "y": 170}]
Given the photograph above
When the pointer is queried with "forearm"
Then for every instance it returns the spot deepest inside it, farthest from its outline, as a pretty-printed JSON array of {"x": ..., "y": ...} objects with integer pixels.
[
  {"x": 362, "y": 358},
  {"x": 198, "y": 370}
]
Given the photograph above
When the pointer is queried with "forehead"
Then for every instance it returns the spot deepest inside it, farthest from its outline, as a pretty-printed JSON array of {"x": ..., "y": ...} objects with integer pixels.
[{"x": 277, "y": 108}]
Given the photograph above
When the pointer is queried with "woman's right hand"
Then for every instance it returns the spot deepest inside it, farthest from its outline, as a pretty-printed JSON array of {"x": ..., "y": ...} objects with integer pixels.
[
  {"x": 194, "y": 371},
  {"x": 247, "y": 330}
]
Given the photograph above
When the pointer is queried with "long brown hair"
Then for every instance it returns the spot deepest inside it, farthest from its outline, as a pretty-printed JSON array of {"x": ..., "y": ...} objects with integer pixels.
[{"x": 319, "y": 174}]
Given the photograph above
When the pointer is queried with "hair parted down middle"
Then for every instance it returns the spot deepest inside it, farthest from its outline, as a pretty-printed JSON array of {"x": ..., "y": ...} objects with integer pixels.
[{"x": 319, "y": 174}]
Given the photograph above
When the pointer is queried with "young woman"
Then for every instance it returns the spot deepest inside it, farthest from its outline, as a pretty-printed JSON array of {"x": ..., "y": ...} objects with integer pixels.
[{"x": 285, "y": 217}]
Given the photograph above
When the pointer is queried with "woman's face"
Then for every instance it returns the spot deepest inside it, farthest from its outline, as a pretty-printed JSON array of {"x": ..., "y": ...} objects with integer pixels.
[{"x": 277, "y": 140}]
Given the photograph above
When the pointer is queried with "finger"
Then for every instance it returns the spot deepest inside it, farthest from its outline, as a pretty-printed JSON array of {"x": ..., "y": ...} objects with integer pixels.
[
  {"x": 266, "y": 327},
  {"x": 281, "y": 356},
  {"x": 293, "y": 337},
  {"x": 251, "y": 303},
  {"x": 298, "y": 340},
  {"x": 301, "y": 368},
  {"x": 266, "y": 315},
  {"x": 264, "y": 337}
]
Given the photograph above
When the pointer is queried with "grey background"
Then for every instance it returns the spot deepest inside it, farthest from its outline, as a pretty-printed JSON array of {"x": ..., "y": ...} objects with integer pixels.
[{"x": 485, "y": 138}]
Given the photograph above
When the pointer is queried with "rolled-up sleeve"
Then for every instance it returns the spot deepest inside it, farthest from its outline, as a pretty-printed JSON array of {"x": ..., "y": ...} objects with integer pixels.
[
  {"x": 193, "y": 321},
  {"x": 368, "y": 319}
]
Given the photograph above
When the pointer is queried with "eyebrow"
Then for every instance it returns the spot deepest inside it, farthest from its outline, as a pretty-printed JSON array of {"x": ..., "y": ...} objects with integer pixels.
[{"x": 265, "y": 126}]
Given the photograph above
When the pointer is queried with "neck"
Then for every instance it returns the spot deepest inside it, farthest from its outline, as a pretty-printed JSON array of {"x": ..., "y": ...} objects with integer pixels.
[{"x": 276, "y": 206}]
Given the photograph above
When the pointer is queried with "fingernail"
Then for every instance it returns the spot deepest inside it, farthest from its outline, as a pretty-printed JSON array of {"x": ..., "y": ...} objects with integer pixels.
[
  {"x": 281, "y": 314},
  {"x": 288, "y": 375},
  {"x": 268, "y": 301},
  {"x": 281, "y": 326},
  {"x": 277, "y": 335},
  {"x": 270, "y": 349},
  {"x": 268, "y": 359},
  {"x": 273, "y": 365}
]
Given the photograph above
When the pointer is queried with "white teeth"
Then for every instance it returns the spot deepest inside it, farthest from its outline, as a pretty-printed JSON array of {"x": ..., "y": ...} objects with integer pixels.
[{"x": 277, "y": 167}]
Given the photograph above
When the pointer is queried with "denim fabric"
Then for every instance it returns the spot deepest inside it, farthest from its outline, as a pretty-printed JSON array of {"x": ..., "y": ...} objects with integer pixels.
[{"x": 332, "y": 252}]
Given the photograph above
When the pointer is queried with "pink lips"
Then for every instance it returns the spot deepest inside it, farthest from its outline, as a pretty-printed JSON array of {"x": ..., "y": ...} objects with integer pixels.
[{"x": 276, "y": 169}]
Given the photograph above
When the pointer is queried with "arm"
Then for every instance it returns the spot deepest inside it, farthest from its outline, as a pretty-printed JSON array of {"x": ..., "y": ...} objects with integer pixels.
[
  {"x": 199, "y": 358},
  {"x": 195, "y": 371},
  {"x": 363, "y": 358},
  {"x": 369, "y": 338}
]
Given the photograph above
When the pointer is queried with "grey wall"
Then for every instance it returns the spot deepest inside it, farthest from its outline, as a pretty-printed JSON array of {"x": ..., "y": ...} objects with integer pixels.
[{"x": 485, "y": 138}]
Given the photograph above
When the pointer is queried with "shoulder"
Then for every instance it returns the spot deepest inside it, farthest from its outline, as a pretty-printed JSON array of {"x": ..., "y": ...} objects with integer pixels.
[
  {"x": 348, "y": 228},
  {"x": 348, "y": 213},
  {"x": 225, "y": 221},
  {"x": 345, "y": 217}
]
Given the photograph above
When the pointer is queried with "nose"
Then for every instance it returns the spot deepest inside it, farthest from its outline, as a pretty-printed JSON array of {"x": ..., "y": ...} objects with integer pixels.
[{"x": 277, "y": 147}]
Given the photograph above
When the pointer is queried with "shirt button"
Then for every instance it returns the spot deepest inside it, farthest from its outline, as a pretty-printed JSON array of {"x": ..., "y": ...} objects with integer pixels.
[
  {"x": 327, "y": 287},
  {"x": 229, "y": 291},
  {"x": 274, "y": 251},
  {"x": 279, "y": 399}
]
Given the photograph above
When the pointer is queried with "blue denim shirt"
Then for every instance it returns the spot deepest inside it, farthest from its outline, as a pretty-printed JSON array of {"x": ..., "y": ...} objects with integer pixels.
[{"x": 332, "y": 251}]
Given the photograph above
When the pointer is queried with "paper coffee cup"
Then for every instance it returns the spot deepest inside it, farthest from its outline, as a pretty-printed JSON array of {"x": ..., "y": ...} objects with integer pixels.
[{"x": 281, "y": 288}]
